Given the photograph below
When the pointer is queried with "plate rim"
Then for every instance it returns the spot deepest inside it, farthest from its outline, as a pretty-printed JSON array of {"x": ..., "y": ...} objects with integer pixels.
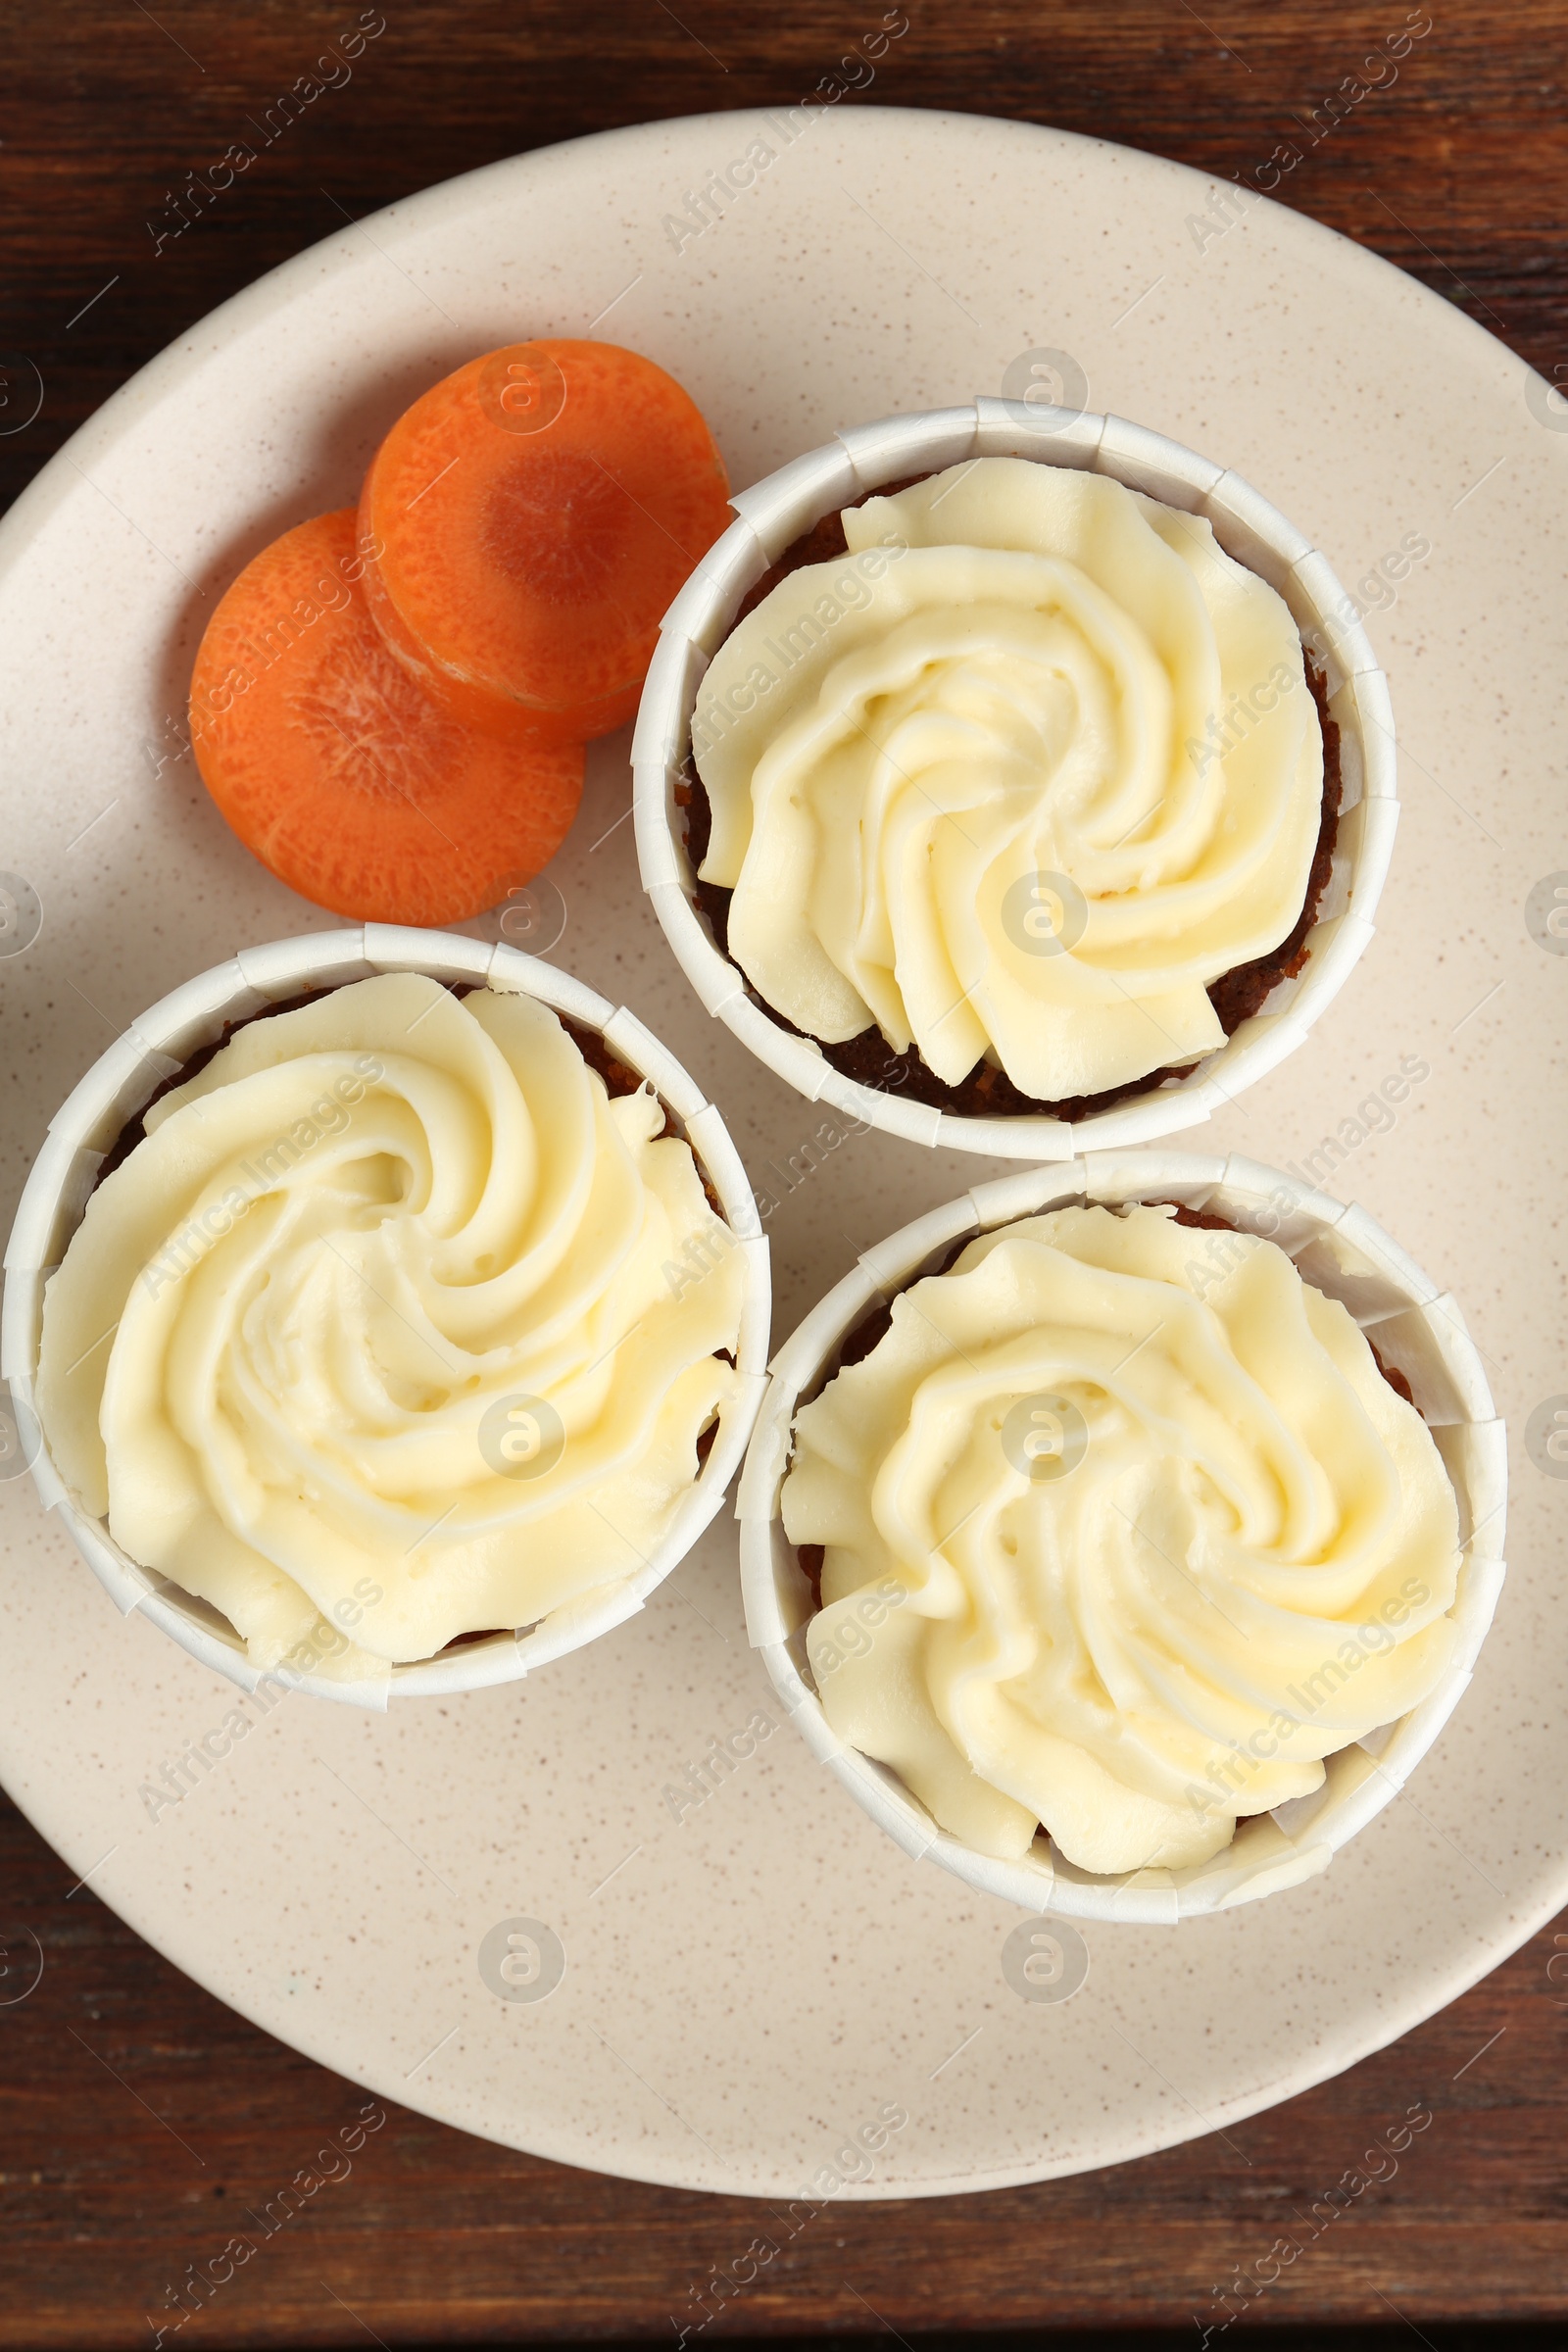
[{"x": 109, "y": 424}]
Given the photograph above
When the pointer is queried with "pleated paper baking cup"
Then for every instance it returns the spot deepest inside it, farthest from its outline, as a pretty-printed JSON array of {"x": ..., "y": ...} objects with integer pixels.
[
  {"x": 775, "y": 512},
  {"x": 119, "y": 1086},
  {"x": 1416, "y": 1329}
]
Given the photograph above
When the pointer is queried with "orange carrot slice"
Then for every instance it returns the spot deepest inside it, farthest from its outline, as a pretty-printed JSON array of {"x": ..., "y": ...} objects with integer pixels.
[
  {"x": 338, "y": 772},
  {"x": 533, "y": 517}
]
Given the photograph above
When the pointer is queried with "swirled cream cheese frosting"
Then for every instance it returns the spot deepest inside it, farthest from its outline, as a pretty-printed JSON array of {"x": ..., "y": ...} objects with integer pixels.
[
  {"x": 1124, "y": 1530},
  {"x": 1014, "y": 780},
  {"x": 376, "y": 1326}
]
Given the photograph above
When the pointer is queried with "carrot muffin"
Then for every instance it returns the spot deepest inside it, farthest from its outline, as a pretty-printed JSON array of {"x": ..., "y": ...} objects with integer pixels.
[
  {"x": 1022, "y": 802},
  {"x": 1121, "y": 1529},
  {"x": 375, "y": 1325}
]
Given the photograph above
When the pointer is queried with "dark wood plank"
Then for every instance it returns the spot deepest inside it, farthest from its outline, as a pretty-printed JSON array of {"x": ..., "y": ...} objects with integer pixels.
[{"x": 137, "y": 2117}]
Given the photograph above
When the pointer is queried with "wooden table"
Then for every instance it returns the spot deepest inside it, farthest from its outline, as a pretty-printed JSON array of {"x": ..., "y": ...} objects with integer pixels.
[{"x": 137, "y": 2116}]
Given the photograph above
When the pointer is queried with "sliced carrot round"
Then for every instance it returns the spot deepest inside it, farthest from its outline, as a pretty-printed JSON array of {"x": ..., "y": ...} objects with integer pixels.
[
  {"x": 334, "y": 767},
  {"x": 532, "y": 517}
]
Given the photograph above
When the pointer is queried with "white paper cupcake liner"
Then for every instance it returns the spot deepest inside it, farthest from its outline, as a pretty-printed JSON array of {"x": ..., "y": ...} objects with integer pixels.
[
  {"x": 773, "y": 514},
  {"x": 120, "y": 1085},
  {"x": 1417, "y": 1329}
]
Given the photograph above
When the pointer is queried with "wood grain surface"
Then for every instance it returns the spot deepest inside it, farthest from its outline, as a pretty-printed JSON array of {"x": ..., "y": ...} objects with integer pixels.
[{"x": 137, "y": 2117}]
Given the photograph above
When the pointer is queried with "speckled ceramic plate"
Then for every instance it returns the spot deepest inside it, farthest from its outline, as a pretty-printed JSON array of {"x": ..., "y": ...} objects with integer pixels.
[{"x": 532, "y": 1911}]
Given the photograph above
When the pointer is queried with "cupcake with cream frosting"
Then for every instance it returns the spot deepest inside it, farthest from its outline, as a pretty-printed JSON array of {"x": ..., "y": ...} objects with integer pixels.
[
  {"x": 1021, "y": 803},
  {"x": 1122, "y": 1529},
  {"x": 373, "y": 1330}
]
